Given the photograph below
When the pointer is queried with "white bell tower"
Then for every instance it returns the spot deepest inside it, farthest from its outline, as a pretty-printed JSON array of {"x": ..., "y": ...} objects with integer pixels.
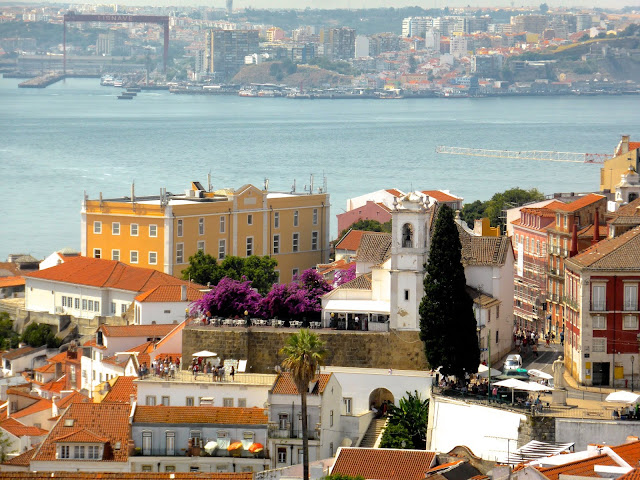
[{"x": 411, "y": 218}]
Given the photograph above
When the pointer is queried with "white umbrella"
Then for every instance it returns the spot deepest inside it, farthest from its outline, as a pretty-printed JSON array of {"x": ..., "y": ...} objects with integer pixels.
[
  {"x": 205, "y": 353},
  {"x": 536, "y": 387},
  {"x": 210, "y": 447},
  {"x": 540, "y": 374},
  {"x": 513, "y": 384},
  {"x": 623, "y": 397},
  {"x": 483, "y": 372}
]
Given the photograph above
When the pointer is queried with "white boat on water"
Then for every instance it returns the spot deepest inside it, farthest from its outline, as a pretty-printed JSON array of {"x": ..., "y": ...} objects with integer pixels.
[
  {"x": 247, "y": 93},
  {"x": 106, "y": 80},
  {"x": 117, "y": 82}
]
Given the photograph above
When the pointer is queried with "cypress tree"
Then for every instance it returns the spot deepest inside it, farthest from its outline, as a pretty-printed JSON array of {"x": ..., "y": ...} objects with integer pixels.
[{"x": 447, "y": 322}]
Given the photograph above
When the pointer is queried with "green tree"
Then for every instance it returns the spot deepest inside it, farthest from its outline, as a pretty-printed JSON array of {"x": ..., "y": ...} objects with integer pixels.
[
  {"x": 38, "y": 334},
  {"x": 544, "y": 8},
  {"x": 447, "y": 322},
  {"x": 202, "y": 269},
  {"x": 261, "y": 271},
  {"x": 8, "y": 337},
  {"x": 304, "y": 352},
  {"x": 367, "y": 226},
  {"x": 5, "y": 443},
  {"x": 514, "y": 197},
  {"x": 409, "y": 420}
]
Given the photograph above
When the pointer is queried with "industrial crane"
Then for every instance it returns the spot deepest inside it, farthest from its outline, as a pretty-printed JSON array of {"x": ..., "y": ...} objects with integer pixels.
[{"x": 541, "y": 155}]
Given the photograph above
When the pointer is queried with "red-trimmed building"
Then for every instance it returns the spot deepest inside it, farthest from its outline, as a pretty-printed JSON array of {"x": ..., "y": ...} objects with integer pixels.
[{"x": 601, "y": 301}]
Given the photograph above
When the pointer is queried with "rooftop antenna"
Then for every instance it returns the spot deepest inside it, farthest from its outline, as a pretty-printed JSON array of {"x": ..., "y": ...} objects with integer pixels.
[
  {"x": 293, "y": 187},
  {"x": 266, "y": 183},
  {"x": 100, "y": 199},
  {"x": 133, "y": 192},
  {"x": 311, "y": 184},
  {"x": 209, "y": 180}
]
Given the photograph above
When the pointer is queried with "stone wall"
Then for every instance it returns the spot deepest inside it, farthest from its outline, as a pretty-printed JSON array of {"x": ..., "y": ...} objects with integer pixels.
[
  {"x": 542, "y": 429},
  {"x": 260, "y": 347}
]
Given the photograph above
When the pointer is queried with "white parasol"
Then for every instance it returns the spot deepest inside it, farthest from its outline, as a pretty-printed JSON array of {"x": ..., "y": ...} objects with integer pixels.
[
  {"x": 205, "y": 353},
  {"x": 540, "y": 374},
  {"x": 622, "y": 396}
]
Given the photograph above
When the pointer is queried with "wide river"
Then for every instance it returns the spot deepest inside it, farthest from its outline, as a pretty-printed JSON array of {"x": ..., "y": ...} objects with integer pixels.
[{"x": 75, "y": 136}]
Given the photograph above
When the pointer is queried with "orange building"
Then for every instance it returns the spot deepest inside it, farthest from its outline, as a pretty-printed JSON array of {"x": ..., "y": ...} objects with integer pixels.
[{"x": 163, "y": 231}]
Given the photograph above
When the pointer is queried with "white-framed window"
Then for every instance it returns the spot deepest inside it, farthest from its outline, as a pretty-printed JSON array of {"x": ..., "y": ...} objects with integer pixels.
[
  {"x": 314, "y": 240},
  {"x": 196, "y": 438},
  {"x": 315, "y": 216},
  {"x": 93, "y": 452},
  {"x": 276, "y": 244},
  {"x": 200, "y": 245},
  {"x": 630, "y": 297},
  {"x": 599, "y": 345},
  {"x": 201, "y": 226},
  {"x": 296, "y": 219},
  {"x": 223, "y": 224},
  {"x": 170, "y": 439},
  {"x": 179, "y": 252},
  {"x": 65, "y": 451},
  {"x": 598, "y": 302},
  {"x": 227, "y": 402},
  {"x": 96, "y": 306},
  {"x": 78, "y": 451},
  {"x": 84, "y": 304},
  {"x": 97, "y": 227},
  {"x": 179, "y": 228},
  {"x": 123, "y": 308},
  {"x": 166, "y": 401},
  {"x": 76, "y": 303},
  {"x": 347, "y": 405},
  {"x": 599, "y": 322},
  {"x": 242, "y": 403},
  {"x": 566, "y": 221},
  {"x": 189, "y": 401},
  {"x": 295, "y": 242},
  {"x": 115, "y": 228},
  {"x": 295, "y": 272},
  {"x": 630, "y": 322},
  {"x": 282, "y": 454},
  {"x": 97, "y": 253},
  {"x": 150, "y": 400},
  {"x": 114, "y": 308},
  {"x": 153, "y": 230},
  {"x": 276, "y": 219},
  {"x": 146, "y": 440},
  {"x": 133, "y": 229},
  {"x": 133, "y": 256},
  {"x": 115, "y": 255},
  {"x": 249, "y": 246},
  {"x": 90, "y": 307},
  {"x": 248, "y": 436},
  {"x": 250, "y": 219},
  {"x": 222, "y": 249},
  {"x": 153, "y": 258},
  {"x": 283, "y": 421}
]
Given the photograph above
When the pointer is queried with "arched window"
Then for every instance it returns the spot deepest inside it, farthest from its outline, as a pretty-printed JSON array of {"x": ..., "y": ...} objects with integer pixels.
[
  {"x": 407, "y": 235},
  {"x": 632, "y": 197}
]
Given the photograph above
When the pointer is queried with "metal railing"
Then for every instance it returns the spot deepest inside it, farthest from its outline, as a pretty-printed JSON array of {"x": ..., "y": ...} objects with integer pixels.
[
  {"x": 276, "y": 432},
  {"x": 197, "y": 452}
]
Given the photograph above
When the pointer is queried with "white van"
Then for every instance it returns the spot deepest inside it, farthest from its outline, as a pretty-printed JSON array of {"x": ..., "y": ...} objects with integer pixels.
[{"x": 513, "y": 362}]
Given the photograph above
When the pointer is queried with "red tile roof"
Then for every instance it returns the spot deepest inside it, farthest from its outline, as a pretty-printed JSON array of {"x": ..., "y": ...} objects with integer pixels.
[
  {"x": 581, "y": 202},
  {"x": 14, "y": 427},
  {"x": 48, "y": 368},
  {"x": 630, "y": 452},
  {"x": 11, "y": 281},
  {"x": 583, "y": 468},
  {"x": 121, "y": 475},
  {"x": 19, "y": 352},
  {"x": 81, "y": 436},
  {"x": 632, "y": 146},
  {"x": 39, "y": 406},
  {"x": 169, "y": 293},
  {"x": 94, "y": 344},
  {"x": 441, "y": 196},
  {"x": 99, "y": 272},
  {"x": 395, "y": 192},
  {"x": 284, "y": 384},
  {"x": 157, "y": 330},
  {"x": 121, "y": 391},
  {"x": 351, "y": 241},
  {"x": 21, "y": 460},
  {"x": 21, "y": 393},
  {"x": 106, "y": 420},
  {"x": 55, "y": 386},
  {"x": 383, "y": 464},
  {"x": 75, "y": 397},
  {"x": 618, "y": 253},
  {"x": 633, "y": 474},
  {"x": 211, "y": 415}
]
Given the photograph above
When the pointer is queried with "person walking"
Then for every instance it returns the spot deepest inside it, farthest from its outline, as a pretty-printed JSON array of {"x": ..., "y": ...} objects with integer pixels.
[
  {"x": 535, "y": 349},
  {"x": 562, "y": 338},
  {"x": 232, "y": 373}
]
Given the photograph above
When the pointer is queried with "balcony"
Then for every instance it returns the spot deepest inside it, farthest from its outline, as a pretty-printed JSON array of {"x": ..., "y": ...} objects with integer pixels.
[
  {"x": 198, "y": 452},
  {"x": 554, "y": 297},
  {"x": 630, "y": 306},
  {"x": 570, "y": 302},
  {"x": 276, "y": 432},
  {"x": 598, "y": 306},
  {"x": 555, "y": 272}
]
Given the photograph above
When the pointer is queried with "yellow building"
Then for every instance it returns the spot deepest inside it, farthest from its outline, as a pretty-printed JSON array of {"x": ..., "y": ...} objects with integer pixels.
[
  {"x": 163, "y": 231},
  {"x": 627, "y": 154}
]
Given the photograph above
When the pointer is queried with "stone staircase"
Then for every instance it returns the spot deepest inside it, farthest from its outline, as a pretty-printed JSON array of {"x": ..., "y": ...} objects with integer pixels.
[{"x": 372, "y": 436}]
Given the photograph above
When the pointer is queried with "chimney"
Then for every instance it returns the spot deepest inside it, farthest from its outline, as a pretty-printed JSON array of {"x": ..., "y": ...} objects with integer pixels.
[
  {"x": 596, "y": 229},
  {"x": 183, "y": 293},
  {"x": 132, "y": 399},
  {"x": 624, "y": 145},
  {"x": 574, "y": 241}
]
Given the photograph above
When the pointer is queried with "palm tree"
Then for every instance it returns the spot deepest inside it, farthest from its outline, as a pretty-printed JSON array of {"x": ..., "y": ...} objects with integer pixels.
[{"x": 304, "y": 352}]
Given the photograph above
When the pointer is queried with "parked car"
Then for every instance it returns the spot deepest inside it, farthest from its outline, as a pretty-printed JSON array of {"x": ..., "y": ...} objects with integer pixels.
[{"x": 513, "y": 362}]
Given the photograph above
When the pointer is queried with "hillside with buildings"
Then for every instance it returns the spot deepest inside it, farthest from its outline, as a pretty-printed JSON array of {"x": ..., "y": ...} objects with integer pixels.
[{"x": 307, "y": 75}]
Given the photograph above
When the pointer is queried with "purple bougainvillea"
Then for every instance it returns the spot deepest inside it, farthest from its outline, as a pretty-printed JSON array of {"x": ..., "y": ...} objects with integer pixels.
[{"x": 344, "y": 276}]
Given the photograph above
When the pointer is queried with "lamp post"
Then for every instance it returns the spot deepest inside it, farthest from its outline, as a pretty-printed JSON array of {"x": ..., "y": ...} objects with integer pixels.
[
  {"x": 632, "y": 360},
  {"x": 246, "y": 318}
]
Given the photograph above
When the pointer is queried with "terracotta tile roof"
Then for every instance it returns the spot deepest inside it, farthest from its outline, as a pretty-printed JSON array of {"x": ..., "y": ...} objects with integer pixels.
[
  {"x": 580, "y": 203},
  {"x": 48, "y": 368},
  {"x": 630, "y": 452},
  {"x": 157, "y": 330},
  {"x": 547, "y": 211},
  {"x": 618, "y": 253},
  {"x": 361, "y": 282},
  {"x": 10, "y": 267},
  {"x": 55, "y": 386},
  {"x": 630, "y": 209},
  {"x": 14, "y": 427},
  {"x": 21, "y": 393},
  {"x": 351, "y": 241},
  {"x": 106, "y": 420},
  {"x": 632, "y": 475},
  {"x": 94, "y": 344},
  {"x": 588, "y": 231},
  {"x": 122, "y": 476},
  {"x": 284, "y": 384},
  {"x": 81, "y": 436},
  {"x": 75, "y": 397},
  {"x": 483, "y": 251},
  {"x": 395, "y": 192},
  {"x": 19, "y": 352},
  {"x": 99, "y": 272},
  {"x": 383, "y": 464},
  {"x": 441, "y": 196},
  {"x": 383, "y": 206},
  {"x": 121, "y": 390},
  {"x": 62, "y": 357},
  {"x": 113, "y": 360},
  {"x": 480, "y": 298},
  {"x": 632, "y": 146},
  {"x": 21, "y": 460},
  {"x": 210, "y": 415},
  {"x": 169, "y": 293},
  {"x": 341, "y": 264},
  {"x": 583, "y": 468},
  {"x": 625, "y": 220},
  {"x": 375, "y": 247},
  {"x": 39, "y": 406},
  {"x": 11, "y": 281}
]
